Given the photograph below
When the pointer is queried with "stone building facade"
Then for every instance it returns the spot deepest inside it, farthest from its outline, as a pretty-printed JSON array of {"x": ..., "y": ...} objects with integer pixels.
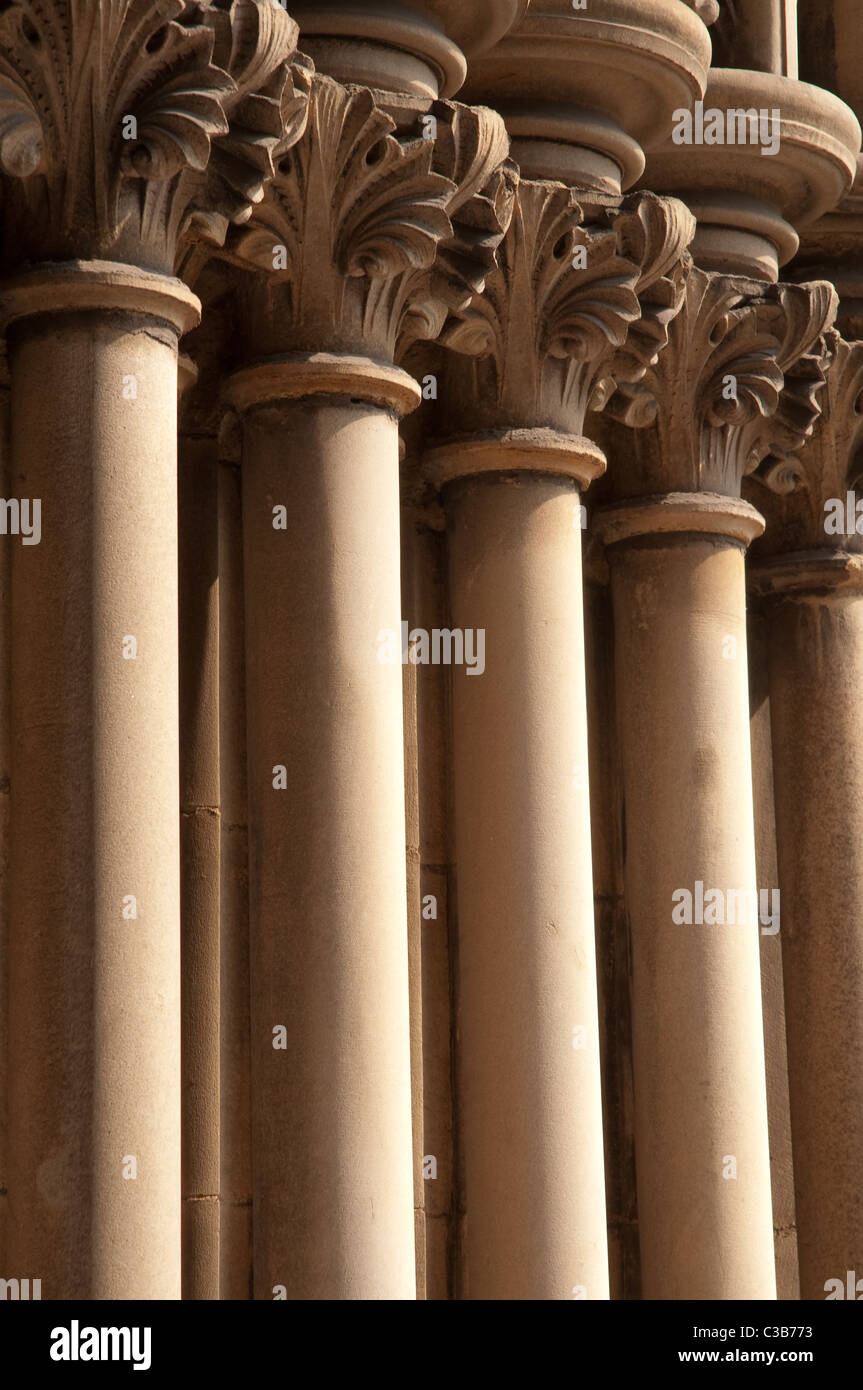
[{"x": 432, "y": 636}]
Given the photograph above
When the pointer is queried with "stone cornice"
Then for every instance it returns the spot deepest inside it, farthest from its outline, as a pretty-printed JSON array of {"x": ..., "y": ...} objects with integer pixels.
[
  {"x": 749, "y": 204},
  {"x": 738, "y": 379},
  {"x": 126, "y": 123},
  {"x": 559, "y": 323},
  {"x": 370, "y": 236},
  {"x": 832, "y": 249},
  {"x": 584, "y": 94},
  {"x": 415, "y": 47}
]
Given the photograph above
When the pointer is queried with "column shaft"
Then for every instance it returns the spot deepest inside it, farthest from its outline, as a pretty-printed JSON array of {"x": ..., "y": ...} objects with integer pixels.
[
  {"x": 529, "y": 1075},
  {"x": 702, "y": 1157},
  {"x": 200, "y": 850},
  {"x": 816, "y": 674},
  {"x": 95, "y": 945},
  {"x": 333, "y": 1214},
  {"x": 235, "y": 1136},
  {"x": 5, "y": 813}
]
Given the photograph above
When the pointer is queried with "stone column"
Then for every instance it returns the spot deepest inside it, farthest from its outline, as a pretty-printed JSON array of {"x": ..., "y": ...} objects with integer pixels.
[
  {"x": 530, "y": 1082},
  {"x": 676, "y": 553},
  {"x": 543, "y": 338},
  {"x": 330, "y": 1042},
  {"x": 425, "y": 600},
  {"x": 235, "y": 1088},
  {"x": 200, "y": 835},
  {"x": 810, "y": 577},
  {"x": 760, "y": 35},
  {"x": 94, "y": 955},
  {"x": 99, "y": 191},
  {"x": 5, "y": 804},
  {"x": 333, "y": 1215},
  {"x": 701, "y": 1111}
]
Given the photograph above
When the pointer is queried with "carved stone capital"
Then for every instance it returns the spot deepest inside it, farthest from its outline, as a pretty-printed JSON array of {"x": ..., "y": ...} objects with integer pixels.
[
  {"x": 738, "y": 380},
  {"x": 126, "y": 124},
  {"x": 370, "y": 236},
  {"x": 809, "y": 498},
  {"x": 559, "y": 323}
]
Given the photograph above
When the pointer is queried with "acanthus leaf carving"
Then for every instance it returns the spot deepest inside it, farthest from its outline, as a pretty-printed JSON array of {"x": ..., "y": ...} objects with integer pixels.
[
  {"x": 793, "y": 489},
  {"x": 654, "y": 233},
  {"x": 472, "y": 150},
  {"x": 555, "y": 329},
  {"x": 739, "y": 378},
  {"x": 382, "y": 233},
  {"x": 124, "y": 124}
]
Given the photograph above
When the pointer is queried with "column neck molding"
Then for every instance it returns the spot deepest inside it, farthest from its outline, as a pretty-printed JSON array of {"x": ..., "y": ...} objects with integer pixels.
[
  {"x": 98, "y": 286},
  {"x": 127, "y": 125},
  {"x": 806, "y": 574},
  {"x": 515, "y": 451},
  {"x": 298, "y": 374},
  {"x": 703, "y": 513}
]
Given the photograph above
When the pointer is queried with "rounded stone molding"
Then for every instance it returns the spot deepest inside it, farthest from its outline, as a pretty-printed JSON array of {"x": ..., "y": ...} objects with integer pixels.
[
  {"x": 416, "y": 47},
  {"x": 709, "y": 513},
  {"x": 98, "y": 286},
  {"x": 806, "y": 572},
  {"x": 297, "y": 374},
  {"x": 187, "y": 374},
  {"x": 514, "y": 451},
  {"x": 750, "y": 205},
  {"x": 584, "y": 94}
]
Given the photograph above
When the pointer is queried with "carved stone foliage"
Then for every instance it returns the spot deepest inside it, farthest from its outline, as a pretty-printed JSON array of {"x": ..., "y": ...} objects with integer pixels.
[
  {"x": 559, "y": 322},
  {"x": 738, "y": 381},
  {"x": 126, "y": 125},
  {"x": 369, "y": 237},
  {"x": 805, "y": 496}
]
